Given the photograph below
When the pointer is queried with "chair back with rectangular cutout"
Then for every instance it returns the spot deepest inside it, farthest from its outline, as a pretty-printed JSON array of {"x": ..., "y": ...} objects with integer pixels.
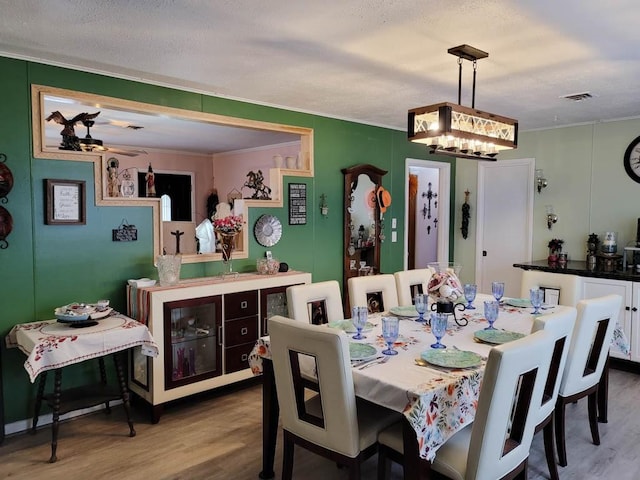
[
  {"x": 503, "y": 428},
  {"x": 595, "y": 323},
  {"x": 378, "y": 292},
  {"x": 316, "y": 303},
  {"x": 411, "y": 282},
  {"x": 333, "y": 423},
  {"x": 560, "y": 326},
  {"x": 569, "y": 286}
]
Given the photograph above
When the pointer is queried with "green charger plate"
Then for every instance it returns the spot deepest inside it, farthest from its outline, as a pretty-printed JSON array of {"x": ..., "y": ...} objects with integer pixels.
[
  {"x": 361, "y": 351},
  {"x": 452, "y": 358},
  {"x": 347, "y": 326},
  {"x": 518, "y": 302},
  {"x": 497, "y": 337},
  {"x": 406, "y": 311}
]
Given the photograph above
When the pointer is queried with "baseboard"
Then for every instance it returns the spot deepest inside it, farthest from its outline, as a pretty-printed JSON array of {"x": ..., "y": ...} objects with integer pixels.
[{"x": 43, "y": 420}]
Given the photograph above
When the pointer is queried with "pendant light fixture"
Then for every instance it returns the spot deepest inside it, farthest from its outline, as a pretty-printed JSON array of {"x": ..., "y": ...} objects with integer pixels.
[{"x": 458, "y": 131}]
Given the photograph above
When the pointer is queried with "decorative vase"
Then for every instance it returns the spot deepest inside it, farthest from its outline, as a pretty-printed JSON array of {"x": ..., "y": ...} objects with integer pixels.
[
  {"x": 552, "y": 260},
  {"x": 227, "y": 245},
  {"x": 169, "y": 269}
]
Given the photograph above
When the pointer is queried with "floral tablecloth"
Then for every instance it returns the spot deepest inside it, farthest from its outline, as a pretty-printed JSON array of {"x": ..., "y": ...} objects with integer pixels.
[
  {"x": 50, "y": 344},
  {"x": 437, "y": 403}
]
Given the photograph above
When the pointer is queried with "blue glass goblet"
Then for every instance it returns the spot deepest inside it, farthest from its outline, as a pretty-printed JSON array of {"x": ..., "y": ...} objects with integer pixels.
[
  {"x": 420, "y": 302},
  {"x": 497, "y": 289},
  {"x": 438, "y": 328},
  {"x": 491, "y": 313},
  {"x": 536, "y": 295},
  {"x": 470, "y": 290},
  {"x": 390, "y": 331},
  {"x": 359, "y": 320}
]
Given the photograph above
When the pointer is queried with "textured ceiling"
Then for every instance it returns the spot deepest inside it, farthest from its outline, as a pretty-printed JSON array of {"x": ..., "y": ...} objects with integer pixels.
[{"x": 368, "y": 61}]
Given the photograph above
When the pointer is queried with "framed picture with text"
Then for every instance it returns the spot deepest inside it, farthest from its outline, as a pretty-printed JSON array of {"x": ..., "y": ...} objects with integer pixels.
[{"x": 65, "y": 202}]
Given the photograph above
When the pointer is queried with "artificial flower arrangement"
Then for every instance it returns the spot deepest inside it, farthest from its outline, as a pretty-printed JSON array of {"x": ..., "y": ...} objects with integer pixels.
[
  {"x": 445, "y": 286},
  {"x": 229, "y": 225},
  {"x": 555, "y": 245}
]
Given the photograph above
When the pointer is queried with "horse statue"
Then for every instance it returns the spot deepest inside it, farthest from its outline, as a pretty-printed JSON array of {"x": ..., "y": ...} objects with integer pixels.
[{"x": 256, "y": 182}]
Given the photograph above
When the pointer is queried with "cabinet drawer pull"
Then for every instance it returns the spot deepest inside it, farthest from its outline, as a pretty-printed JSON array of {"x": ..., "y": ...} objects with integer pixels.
[
  {"x": 220, "y": 335},
  {"x": 627, "y": 308},
  {"x": 244, "y": 304},
  {"x": 244, "y": 357},
  {"x": 244, "y": 331},
  {"x": 634, "y": 309}
]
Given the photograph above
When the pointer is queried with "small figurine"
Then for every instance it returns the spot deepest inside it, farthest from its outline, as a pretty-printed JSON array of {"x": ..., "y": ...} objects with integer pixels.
[
  {"x": 151, "y": 182},
  {"x": 256, "y": 182}
]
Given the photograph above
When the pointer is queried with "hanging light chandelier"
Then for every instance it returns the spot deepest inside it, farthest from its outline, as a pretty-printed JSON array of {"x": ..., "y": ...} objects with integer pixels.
[{"x": 458, "y": 131}]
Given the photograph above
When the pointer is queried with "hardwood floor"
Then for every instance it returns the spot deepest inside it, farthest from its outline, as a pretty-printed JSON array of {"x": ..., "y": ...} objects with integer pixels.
[{"x": 219, "y": 437}]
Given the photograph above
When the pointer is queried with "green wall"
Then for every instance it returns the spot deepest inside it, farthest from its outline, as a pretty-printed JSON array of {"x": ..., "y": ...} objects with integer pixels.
[{"x": 47, "y": 266}]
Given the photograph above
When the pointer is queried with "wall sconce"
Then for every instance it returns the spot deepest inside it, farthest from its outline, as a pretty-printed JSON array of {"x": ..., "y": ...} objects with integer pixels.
[
  {"x": 324, "y": 209},
  {"x": 541, "y": 182},
  {"x": 551, "y": 216}
]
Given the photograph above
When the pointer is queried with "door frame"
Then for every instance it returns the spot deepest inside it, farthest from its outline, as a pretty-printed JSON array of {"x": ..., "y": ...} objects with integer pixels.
[
  {"x": 483, "y": 171},
  {"x": 444, "y": 206}
]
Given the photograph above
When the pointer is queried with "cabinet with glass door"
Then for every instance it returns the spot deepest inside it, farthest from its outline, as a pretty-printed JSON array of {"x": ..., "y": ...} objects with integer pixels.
[{"x": 192, "y": 340}]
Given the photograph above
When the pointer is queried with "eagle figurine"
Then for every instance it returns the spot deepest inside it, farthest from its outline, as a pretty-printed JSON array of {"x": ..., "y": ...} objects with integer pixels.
[{"x": 70, "y": 141}]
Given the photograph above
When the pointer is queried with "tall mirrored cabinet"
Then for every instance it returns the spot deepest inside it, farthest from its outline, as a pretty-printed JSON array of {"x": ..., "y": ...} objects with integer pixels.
[{"x": 362, "y": 223}]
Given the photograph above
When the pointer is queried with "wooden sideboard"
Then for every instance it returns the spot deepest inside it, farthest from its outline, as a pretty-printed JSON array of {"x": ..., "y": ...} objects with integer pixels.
[{"x": 205, "y": 329}]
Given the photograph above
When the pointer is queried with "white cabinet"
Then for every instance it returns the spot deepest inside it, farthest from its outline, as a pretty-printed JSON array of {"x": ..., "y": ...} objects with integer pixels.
[{"x": 629, "y": 314}]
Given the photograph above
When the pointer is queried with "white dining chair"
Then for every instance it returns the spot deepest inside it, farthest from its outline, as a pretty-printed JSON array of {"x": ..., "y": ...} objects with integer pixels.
[
  {"x": 588, "y": 353},
  {"x": 496, "y": 444},
  {"x": 569, "y": 286},
  {"x": 377, "y": 292},
  {"x": 411, "y": 282},
  {"x": 560, "y": 326},
  {"x": 316, "y": 303},
  {"x": 332, "y": 423}
]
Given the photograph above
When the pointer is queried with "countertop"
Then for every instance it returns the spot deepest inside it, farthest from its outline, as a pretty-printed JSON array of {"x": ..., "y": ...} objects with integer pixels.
[{"x": 579, "y": 268}]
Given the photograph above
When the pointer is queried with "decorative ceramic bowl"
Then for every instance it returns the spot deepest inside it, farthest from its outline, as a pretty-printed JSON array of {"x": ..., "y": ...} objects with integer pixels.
[{"x": 267, "y": 266}]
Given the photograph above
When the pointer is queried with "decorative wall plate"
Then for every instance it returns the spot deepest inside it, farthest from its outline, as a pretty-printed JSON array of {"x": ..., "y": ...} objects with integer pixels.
[{"x": 268, "y": 230}]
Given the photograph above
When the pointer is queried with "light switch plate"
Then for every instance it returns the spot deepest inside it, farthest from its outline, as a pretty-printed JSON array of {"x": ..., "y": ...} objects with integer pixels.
[
  {"x": 394, "y": 237},
  {"x": 394, "y": 223}
]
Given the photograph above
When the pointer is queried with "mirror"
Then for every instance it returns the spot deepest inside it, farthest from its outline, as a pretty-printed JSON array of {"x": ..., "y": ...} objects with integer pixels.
[
  {"x": 362, "y": 223},
  {"x": 143, "y": 154}
]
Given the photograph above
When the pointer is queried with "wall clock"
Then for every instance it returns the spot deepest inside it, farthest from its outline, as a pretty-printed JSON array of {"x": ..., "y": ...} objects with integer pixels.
[{"x": 632, "y": 160}]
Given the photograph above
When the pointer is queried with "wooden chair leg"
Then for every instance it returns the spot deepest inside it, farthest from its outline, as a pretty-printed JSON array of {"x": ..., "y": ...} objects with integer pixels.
[
  {"x": 549, "y": 450},
  {"x": 384, "y": 465},
  {"x": 287, "y": 456},
  {"x": 593, "y": 417},
  {"x": 354, "y": 470},
  {"x": 560, "y": 444}
]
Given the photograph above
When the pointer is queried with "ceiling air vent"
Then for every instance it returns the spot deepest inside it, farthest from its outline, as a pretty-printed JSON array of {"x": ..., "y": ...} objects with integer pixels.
[{"x": 578, "y": 97}]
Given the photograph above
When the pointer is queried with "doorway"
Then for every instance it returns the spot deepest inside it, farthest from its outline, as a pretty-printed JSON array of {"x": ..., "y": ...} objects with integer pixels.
[
  {"x": 504, "y": 233},
  {"x": 427, "y": 210}
]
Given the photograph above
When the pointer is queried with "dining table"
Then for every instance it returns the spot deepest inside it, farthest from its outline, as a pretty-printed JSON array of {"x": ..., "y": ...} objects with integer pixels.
[{"x": 436, "y": 400}]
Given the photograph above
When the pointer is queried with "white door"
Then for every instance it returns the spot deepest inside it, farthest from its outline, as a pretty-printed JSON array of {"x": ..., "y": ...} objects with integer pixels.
[
  {"x": 504, "y": 233},
  {"x": 443, "y": 206}
]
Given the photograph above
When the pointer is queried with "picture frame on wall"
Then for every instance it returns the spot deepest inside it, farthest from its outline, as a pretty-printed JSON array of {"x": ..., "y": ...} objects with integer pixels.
[{"x": 65, "y": 202}]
